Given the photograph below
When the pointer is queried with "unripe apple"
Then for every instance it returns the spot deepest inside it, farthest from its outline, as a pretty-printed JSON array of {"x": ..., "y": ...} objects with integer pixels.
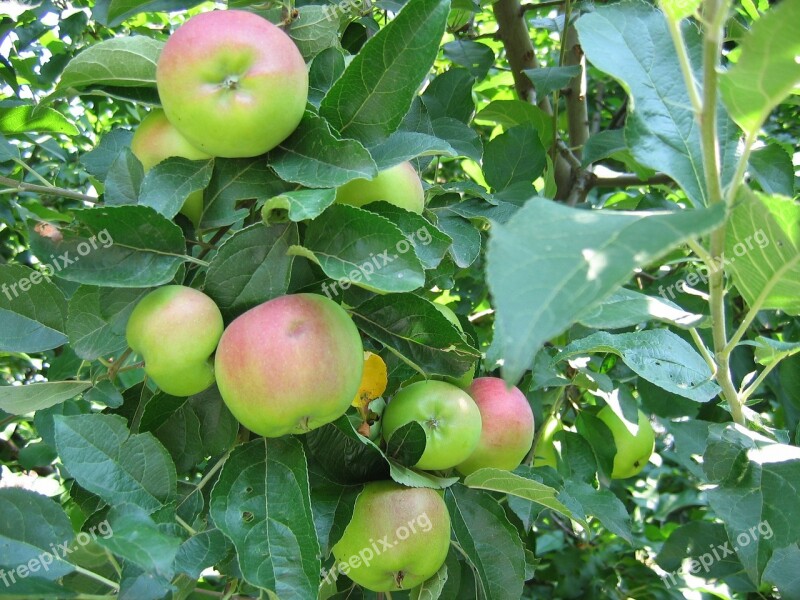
[
  {"x": 397, "y": 538},
  {"x": 399, "y": 185},
  {"x": 176, "y": 329},
  {"x": 633, "y": 451},
  {"x": 290, "y": 365},
  {"x": 465, "y": 380},
  {"x": 507, "y": 432},
  {"x": 450, "y": 418},
  {"x": 232, "y": 83},
  {"x": 545, "y": 448},
  {"x": 156, "y": 140}
]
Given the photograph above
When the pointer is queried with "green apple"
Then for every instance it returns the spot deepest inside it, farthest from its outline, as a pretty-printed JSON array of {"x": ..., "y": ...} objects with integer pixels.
[
  {"x": 545, "y": 447},
  {"x": 397, "y": 538},
  {"x": 232, "y": 83},
  {"x": 450, "y": 418},
  {"x": 399, "y": 185},
  {"x": 465, "y": 380},
  {"x": 175, "y": 329},
  {"x": 633, "y": 450},
  {"x": 290, "y": 365},
  {"x": 155, "y": 140},
  {"x": 507, "y": 432}
]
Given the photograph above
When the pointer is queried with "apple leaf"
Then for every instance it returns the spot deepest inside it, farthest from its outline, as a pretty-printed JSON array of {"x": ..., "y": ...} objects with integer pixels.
[
  {"x": 372, "y": 256},
  {"x": 490, "y": 542},
  {"x": 325, "y": 69},
  {"x": 405, "y": 145},
  {"x": 332, "y": 504},
  {"x": 476, "y": 57},
  {"x": 771, "y": 166},
  {"x": 407, "y": 444},
  {"x": 514, "y": 157},
  {"x": 261, "y": 501},
  {"x": 105, "y": 459},
  {"x": 509, "y": 113},
  {"x": 297, "y": 206},
  {"x": 658, "y": 355},
  {"x": 626, "y": 308},
  {"x": 26, "y": 118},
  {"x": 314, "y": 29},
  {"x": 762, "y": 250},
  {"x": 767, "y": 70},
  {"x": 782, "y": 570},
  {"x": 315, "y": 157},
  {"x": 124, "y": 179},
  {"x": 98, "y": 161},
  {"x": 202, "y": 551},
  {"x": 29, "y": 525},
  {"x": 584, "y": 499},
  {"x": 417, "y": 332},
  {"x": 127, "y": 61},
  {"x": 552, "y": 264},
  {"x": 97, "y": 318},
  {"x": 166, "y": 186},
  {"x": 251, "y": 267},
  {"x": 630, "y": 41},
  {"x": 31, "y": 319},
  {"x": 24, "y": 399},
  {"x": 120, "y": 246},
  {"x": 374, "y": 93},
  {"x": 549, "y": 79}
]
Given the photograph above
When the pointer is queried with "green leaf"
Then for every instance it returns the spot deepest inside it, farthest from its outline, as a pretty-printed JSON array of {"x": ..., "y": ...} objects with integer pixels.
[
  {"x": 759, "y": 506},
  {"x": 604, "y": 144},
  {"x": 769, "y": 351},
  {"x": 463, "y": 138},
  {"x": 658, "y": 355},
  {"x": 490, "y": 542},
  {"x": 181, "y": 436},
  {"x": 417, "y": 332},
  {"x": 510, "y": 113},
  {"x": 105, "y": 459},
  {"x": 626, "y": 308},
  {"x": 234, "y": 181},
  {"x": 261, "y": 502},
  {"x": 128, "y": 61},
  {"x": 251, "y": 267},
  {"x": 121, "y": 246},
  {"x": 466, "y": 238},
  {"x": 100, "y": 159},
  {"x": 450, "y": 95},
  {"x": 30, "y": 525},
  {"x": 630, "y": 41},
  {"x": 772, "y": 168},
  {"x": 136, "y": 538},
  {"x": 104, "y": 392},
  {"x": 767, "y": 70},
  {"x": 313, "y": 30},
  {"x": 694, "y": 539},
  {"x": 601, "y": 504},
  {"x": 477, "y": 58},
  {"x": 297, "y": 206},
  {"x": 782, "y": 571},
  {"x": 369, "y": 256},
  {"x": 407, "y": 443},
  {"x": 506, "y": 482},
  {"x": 113, "y": 12},
  {"x": 332, "y": 504},
  {"x": 370, "y": 99},
  {"x": 343, "y": 456},
  {"x": 218, "y": 427},
  {"x": 97, "y": 318},
  {"x": 515, "y": 157},
  {"x": 27, "y": 118},
  {"x": 429, "y": 243},
  {"x": 549, "y": 79},
  {"x": 24, "y": 399},
  {"x": 201, "y": 551},
  {"x": 167, "y": 185},
  {"x": 551, "y": 264},
  {"x": 325, "y": 69},
  {"x": 32, "y": 310},
  {"x": 405, "y": 145},
  {"x": 432, "y": 588},
  {"x": 124, "y": 179},
  {"x": 314, "y": 157},
  {"x": 762, "y": 250}
]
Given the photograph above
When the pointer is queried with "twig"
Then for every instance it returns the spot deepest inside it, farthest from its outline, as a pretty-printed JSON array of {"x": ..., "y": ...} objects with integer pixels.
[{"x": 21, "y": 186}]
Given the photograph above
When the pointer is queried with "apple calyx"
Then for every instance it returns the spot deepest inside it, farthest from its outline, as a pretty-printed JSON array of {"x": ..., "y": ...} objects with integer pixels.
[{"x": 398, "y": 579}]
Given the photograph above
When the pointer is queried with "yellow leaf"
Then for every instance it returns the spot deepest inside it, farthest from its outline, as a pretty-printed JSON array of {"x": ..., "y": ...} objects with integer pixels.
[{"x": 373, "y": 381}]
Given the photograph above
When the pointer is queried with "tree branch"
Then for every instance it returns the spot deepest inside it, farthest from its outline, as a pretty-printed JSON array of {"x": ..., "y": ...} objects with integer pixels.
[
  {"x": 537, "y": 6},
  {"x": 13, "y": 184},
  {"x": 575, "y": 94}
]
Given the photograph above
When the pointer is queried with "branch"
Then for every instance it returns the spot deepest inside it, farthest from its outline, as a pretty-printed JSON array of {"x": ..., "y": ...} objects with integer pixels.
[
  {"x": 631, "y": 180},
  {"x": 575, "y": 94},
  {"x": 13, "y": 184},
  {"x": 551, "y": 4}
]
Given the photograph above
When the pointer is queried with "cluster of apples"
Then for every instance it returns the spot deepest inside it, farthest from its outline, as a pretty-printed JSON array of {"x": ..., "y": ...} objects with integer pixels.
[{"x": 233, "y": 85}]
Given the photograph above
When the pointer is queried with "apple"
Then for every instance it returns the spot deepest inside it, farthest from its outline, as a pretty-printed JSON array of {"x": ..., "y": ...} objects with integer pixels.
[
  {"x": 633, "y": 450},
  {"x": 399, "y": 185},
  {"x": 155, "y": 140},
  {"x": 451, "y": 420},
  {"x": 412, "y": 523},
  {"x": 175, "y": 329},
  {"x": 545, "y": 448},
  {"x": 290, "y": 365},
  {"x": 507, "y": 432},
  {"x": 232, "y": 83},
  {"x": 464, "y": 380}
]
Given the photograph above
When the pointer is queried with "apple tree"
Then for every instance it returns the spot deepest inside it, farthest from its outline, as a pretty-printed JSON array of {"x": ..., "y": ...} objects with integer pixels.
[{"x": 210, "y": 212}]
